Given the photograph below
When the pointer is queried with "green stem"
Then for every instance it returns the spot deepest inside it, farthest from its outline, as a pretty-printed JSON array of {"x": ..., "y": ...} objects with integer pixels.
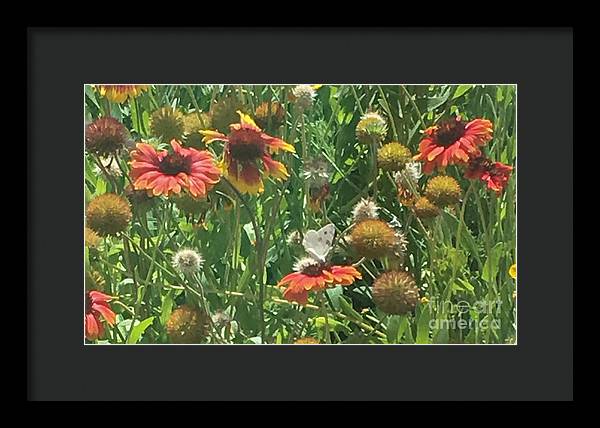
[{"x": 325, "y": 315}]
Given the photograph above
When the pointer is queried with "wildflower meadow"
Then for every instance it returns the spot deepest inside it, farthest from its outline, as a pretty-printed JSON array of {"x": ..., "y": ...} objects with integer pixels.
[{"x": 300, "y": 214}]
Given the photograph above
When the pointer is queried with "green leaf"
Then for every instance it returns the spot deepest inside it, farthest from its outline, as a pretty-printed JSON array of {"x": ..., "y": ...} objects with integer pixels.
[
  {"x": 461, "y": 90},
  {"x": 435, "y": 102},
  {"x": 100, "y": 186},
  {"x": 166, "y": 307},
  {"x": 395, "y": 328},
  {"x": 423, "y": 326},
  {"x": 348, "y": 310},
  {"x": 441, "y": 335},
  {"x": 334, "y": 294},
  {"x": 334, "y": 325},
  {"x": 139, "y": 329},
  {"x": 491, "y": 266}
]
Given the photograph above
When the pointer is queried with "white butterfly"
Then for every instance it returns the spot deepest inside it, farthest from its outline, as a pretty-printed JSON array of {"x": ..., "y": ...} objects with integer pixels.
[{"x": 318, "y": 243}]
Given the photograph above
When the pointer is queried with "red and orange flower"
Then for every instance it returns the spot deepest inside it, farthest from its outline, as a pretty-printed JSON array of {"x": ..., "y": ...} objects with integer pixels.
[
  {"x": 453, "y": 142},
  {"x": 165, "y": 173},
  {"x": 120, "y": 93},
  {"x": 311, "y": 275},
  {"x": 247, "y": 155},
  {"x": 494, "y": 174},
  {"x": 97, "y": 309}
]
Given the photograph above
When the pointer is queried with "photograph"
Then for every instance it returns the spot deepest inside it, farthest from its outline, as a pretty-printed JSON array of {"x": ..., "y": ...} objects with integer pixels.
[{"x": 299, "y": 214}]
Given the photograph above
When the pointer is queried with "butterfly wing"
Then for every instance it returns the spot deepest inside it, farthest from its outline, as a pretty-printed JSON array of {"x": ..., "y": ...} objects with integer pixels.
[{"x": 318, "y": 243}]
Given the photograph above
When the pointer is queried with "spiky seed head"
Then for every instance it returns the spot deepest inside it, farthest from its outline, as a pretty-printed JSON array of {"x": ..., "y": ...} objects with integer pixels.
[
  {"x": 393, "y": 156},
  {"x": 371, "y": 129},
  {"x": 94, "y": 281},
  {"x": 303, "y": 96},
  {"x": 409, "y": 176},
  {"x": 395, "y": 292},
  {"x": 316, "y": 171},
  {"x": 221, "y": 318},
  {"x": 372, "y": 238},
  {"x": 193, "y": 123},
  {"x": 443, "y": 190},
  {"x": 187, "y": 261},
  {"x": 140, "y": 200},
  {"x": 105, "y": 136},
  {"x": 108, "y": 214},
  {"x": 166, "y": 124},
  {"x": 190, "y": 205},
  {"x": 91, "y": 238},
  {"x": 224, "y": 112},
  {"x": 365, "y": 209},
  {"x": 187, "y": 324},
  {"x": 425, "y": 209}
]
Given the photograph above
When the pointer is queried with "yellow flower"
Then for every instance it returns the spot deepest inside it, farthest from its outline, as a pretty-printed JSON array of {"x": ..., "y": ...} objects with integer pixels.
[{"x": 512, "y": 271}]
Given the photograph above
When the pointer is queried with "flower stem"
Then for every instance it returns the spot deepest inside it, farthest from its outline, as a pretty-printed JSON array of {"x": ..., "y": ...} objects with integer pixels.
[{"x": 325, "y": 315}]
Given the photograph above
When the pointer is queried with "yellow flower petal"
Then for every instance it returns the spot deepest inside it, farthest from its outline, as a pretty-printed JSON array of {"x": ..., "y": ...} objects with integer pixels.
[
  {"x": 244, "y": 118},
  {"x": 210, "y": 136},
  {"x": 512, "y": 271}
]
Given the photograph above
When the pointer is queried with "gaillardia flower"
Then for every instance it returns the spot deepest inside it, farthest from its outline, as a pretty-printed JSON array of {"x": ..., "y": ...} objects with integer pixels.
[
  {"x": 453, "y": 142},
  {"x": 312, "y": 275},
  {"x": 269, "y": 113},
  {"x": 443, "y": 190},
  {"x": 395, "y": 292},
  {"x": 167, "y": 124},
  {"x": 105, "y": 136},
  {"x": 371, "y": 129},
  {"x": 187, "y": 324},
  {"x": 374, "y": 238},
  {"x": 120, "y": 93},
  {"x": 187, "y": 261},
  {"x": 108, "y": 214},
  {"x": 424, "y": 208},
  {"x": 393, "y": 156},
  {"x": 247, "y": 155},
  {"x": 494, "y": 174},
  {"x": 165, "y": 173},
  {"x": 96, "y": 309}
]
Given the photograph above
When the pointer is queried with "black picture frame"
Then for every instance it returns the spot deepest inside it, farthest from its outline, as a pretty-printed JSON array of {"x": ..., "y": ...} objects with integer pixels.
[{"x": 539, "y": 61}]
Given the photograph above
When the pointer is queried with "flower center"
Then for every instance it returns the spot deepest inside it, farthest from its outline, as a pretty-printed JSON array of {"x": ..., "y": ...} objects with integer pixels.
[
  {"x": 174, "y": 163},
  {"x": 315, "y": 269},
  {"x": 245, "y": 152},
  {"x": 448, "y": 132},
  {"x": 245, "y": 145}
]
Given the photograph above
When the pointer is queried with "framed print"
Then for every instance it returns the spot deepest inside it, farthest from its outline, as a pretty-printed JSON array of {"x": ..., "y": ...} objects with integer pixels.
[{"x": 279, "y": 213}]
